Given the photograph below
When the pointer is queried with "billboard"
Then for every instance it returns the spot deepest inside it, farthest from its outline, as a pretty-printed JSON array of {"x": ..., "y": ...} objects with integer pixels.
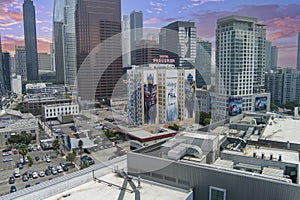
[
  {"x": 150, "y": 96},
  {"x": 189, "y": 91},
  {"x": 261, "y": 103},
  {"x": 235, "y": 105},
  {"x": 171, "y": 96}
]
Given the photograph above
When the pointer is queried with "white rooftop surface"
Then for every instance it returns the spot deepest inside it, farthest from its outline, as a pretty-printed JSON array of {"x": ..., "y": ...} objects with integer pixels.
[
  {"x": 141, "y": 133},
  {"x": 95, "y": 190},
  {"x": 287, "y": 155},
  {"x": 283, "y": 130}
]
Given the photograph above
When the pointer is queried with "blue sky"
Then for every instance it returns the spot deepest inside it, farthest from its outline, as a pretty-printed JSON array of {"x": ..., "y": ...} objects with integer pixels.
[{"x": 281, "y": 17}]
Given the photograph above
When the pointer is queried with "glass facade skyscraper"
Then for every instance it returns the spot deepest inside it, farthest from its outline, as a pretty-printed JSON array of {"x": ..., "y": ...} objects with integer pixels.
[
  {"x": 30, "y": 40},
  {"x": 98, "y": 49}
]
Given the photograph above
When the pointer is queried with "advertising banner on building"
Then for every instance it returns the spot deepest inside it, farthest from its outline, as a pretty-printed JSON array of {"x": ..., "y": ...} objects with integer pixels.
[
  {"x": 150, "y": 96},
  {"x": 171, "y": 96},
  {"x": 190, "y": 85},
  {"x": 261, "y": 103},
  {"x": 235, "y": 105}
]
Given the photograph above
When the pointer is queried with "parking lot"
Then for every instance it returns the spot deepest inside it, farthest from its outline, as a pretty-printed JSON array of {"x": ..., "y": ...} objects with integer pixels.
[{"x": 7, "y": 169}]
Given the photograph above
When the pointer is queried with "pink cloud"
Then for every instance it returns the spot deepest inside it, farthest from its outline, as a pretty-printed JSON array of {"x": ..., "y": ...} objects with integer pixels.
[
  {"x": 8, "y": 15},
  {"x": 158, "y": 20}
]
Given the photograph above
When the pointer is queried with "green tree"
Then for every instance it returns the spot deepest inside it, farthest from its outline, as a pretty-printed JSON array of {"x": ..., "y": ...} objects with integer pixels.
[
  {"x": 85, "y": 164},
  {"x": 80, "y": 145},
  {"x": 30, "y": 161},
  {"x": 174, "y": 127},
  {"x": 202, "y": 117},
  {"x": 56, "y": 145},
  {"x": 274, "y": 107},
  {"x": 23, "y": 150},
  {"x": 71, "y": 157}
]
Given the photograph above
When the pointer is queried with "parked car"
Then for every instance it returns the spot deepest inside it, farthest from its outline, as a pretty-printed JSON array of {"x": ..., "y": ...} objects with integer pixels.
[
  {"x": 53, "y": 171},
  {"x": 88, "y": 159},
  {"x": 17, "y": 173},
  {"x": 27, "y": 186},
  {"x": 19, "y": 165},
  {"x": 24, "y": 178},
  {"x": 41, "y": 173},
  {"x": 7, "y": 159},
  {"x": 11, "y": 180},
  {"x": 13, "y": 189},
  {"x": 34, "y": 175},
  {"x": 47, "y": 172},
  {"x": 37, "y": 158},
  {"x": 59, "y": 169}
]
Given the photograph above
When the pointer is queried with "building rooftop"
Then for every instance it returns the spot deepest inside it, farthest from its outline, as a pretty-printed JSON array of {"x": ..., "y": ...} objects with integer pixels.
[
  {"x": 282, "y": 130},
  {"x": 108, "y": 189}
]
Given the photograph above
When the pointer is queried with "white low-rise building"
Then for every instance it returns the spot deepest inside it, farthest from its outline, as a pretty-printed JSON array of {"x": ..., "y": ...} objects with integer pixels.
[{"x": 53, "y": 111}]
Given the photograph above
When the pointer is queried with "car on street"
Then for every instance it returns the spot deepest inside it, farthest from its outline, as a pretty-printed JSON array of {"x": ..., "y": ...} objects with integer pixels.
[
  {"x": 11, "y": 180},
  {"x": 13, "y": 189}
]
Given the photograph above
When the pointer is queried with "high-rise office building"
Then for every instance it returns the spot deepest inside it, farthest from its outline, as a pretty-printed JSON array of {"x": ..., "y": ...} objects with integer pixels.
[
  {"x": 58, "y": 54},
  {"x": 2, "y": 88},
  {"x": 178, "y": 41},
  {"x": 126, "y": 50},
  {"x": 298, "y": 55},
  {"x": 99, "y": 49},
  {"x": 274, "y": 57},
  {"x": 20, "y": 62},
  {"x": 6, "y": 72},
  {"x": 136, "y": 32},
  {"x": 44, "y": 61},
  {"x": 240, "y": 65},
  {"x": 203, "y": 63},
  {"x": 69, "y": 47},
  {"x": 146, "y": 51},
  {"x": 30, "y": 40},
  {"x": 268, "y": 55}
]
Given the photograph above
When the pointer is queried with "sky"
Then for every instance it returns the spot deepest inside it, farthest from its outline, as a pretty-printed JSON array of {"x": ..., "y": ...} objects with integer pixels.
[{"x": 281, "y": 17}]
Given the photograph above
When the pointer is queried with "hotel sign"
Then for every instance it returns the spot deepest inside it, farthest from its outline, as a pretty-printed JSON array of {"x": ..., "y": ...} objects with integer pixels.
[{"x": 163, "y": 59}]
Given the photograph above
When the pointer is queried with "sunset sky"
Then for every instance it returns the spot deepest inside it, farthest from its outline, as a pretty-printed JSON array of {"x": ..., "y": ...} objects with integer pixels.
[{"x": 282, "y": 18}]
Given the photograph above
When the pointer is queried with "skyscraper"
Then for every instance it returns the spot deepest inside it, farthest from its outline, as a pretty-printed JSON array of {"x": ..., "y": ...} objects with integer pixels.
[
  {"x": 99, "y": 48},
  {"x": 240, "y": 65},
  {"x": 44, "y": 61},
  {"x": 2, "y": 89},
  {"x": 20, "y": 62},
  {"x": 178, "y": 41},
  {"x": 30, "y": 40},
  {"x": 203, "y": 63},
  {"x": 69, "y": 42},
  {"x": 268, "y": 55},
  {"x": 58, "y": 53},
  {"x": 298, "y": 56},
  {"x": 136, "y": 32},
  {"x": 274, "y": 57},
  {"x": 6, "y": 72},
  {"x": 126, "y": 50},
  {"x": 146, "y": 51}
]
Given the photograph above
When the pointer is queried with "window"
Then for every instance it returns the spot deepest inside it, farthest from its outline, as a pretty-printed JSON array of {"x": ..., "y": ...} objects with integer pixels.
[{"x": 217, "y": 193}]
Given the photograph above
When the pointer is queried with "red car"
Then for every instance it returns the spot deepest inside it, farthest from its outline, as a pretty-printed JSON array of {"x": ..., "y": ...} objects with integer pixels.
[{"x": 15, "y": 152}]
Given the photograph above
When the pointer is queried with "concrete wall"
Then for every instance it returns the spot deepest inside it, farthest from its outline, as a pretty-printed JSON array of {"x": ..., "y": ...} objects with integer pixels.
[{"x": 238, "y": 185}]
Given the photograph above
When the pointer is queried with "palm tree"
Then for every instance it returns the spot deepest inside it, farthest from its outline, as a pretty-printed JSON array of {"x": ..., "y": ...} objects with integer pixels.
[
  {"x": 23, "y": 151},
  {"x": 55, "y": 145},
  {"x": 70, "y": 157},
  {"x": 80, "y": 144}
]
